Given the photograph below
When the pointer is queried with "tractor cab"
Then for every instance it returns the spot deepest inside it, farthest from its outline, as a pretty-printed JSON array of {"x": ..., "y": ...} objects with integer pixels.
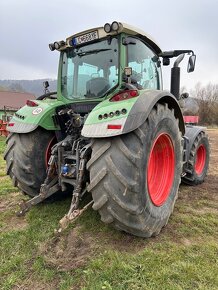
[{"x": 93, "y": 62}]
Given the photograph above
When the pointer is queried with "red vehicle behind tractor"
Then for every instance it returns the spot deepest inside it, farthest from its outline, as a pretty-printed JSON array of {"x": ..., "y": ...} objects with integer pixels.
[
  {"x": 3, "y": 128},
  {"x": 191, "y": 120}
]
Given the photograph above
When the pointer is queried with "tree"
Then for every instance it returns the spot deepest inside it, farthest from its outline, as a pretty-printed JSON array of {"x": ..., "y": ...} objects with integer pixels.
[{"x": 207, "y": 100}]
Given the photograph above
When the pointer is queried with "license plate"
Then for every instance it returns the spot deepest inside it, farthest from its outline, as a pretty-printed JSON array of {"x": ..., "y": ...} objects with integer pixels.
[{"x": 85, "y": 38}]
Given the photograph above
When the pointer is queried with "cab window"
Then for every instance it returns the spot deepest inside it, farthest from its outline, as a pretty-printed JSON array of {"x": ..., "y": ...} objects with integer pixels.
[{"x": 146, "y": 73}]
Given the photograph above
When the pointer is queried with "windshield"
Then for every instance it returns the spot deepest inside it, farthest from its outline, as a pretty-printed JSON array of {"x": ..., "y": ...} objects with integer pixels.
[{"x": 90, "y": 71}]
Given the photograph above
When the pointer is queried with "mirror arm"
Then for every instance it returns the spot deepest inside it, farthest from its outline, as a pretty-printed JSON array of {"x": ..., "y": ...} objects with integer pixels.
[
  {"x": 178, "y": 60},
  {"x": 174, "y": 53}
]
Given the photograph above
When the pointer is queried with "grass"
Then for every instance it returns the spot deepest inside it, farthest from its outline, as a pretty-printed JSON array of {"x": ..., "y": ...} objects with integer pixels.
[
  {"x": 161, "y": 266},
  {"x": 91, "y": 255}
]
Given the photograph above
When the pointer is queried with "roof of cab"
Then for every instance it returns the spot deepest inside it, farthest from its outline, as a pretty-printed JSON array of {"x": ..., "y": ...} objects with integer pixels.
[{"x": 123, "y": 27}]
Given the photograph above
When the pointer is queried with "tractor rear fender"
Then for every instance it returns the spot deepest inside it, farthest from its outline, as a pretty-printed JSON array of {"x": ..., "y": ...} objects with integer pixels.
[
  {"x": 145, "y": 103},
  {"x": 137, "y": 113},
  {"x": 28, "y": 118},
  {"x": 191, "y": 132}
]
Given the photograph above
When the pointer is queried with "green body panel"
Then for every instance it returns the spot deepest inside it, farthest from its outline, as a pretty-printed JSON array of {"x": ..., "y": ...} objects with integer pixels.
[
  {"x": 136, "y": 112},
  {"x": 40, "y": 115},
  {"x": 107, "y": 107}
]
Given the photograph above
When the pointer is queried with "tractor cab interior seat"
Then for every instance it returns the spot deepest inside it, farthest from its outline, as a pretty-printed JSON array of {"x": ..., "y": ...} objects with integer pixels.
[{"x": 97, "y": 87}]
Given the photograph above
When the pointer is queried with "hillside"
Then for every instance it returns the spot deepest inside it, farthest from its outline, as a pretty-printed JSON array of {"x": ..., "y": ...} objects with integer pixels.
[{"x": 34, "y": 87}]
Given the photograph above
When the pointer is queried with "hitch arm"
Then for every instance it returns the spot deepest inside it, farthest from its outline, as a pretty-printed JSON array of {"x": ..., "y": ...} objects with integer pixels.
[{"x": 45, "y": 192}]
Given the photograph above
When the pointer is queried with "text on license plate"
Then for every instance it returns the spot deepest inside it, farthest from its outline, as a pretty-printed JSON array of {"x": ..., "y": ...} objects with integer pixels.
[{"x": 86, "y": 37}]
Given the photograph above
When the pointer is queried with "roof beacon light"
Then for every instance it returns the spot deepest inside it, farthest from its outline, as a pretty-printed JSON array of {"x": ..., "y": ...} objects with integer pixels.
[
  {"x": 115, "y": 26},
  {"x": 107, "y": 27}
]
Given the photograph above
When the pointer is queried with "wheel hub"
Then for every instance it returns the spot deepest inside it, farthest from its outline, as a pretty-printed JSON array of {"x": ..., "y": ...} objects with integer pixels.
[
  {"x": 161, "y": 169},
  {"x": 200, "y": 159},
  {"x": 52, "y": 142}
]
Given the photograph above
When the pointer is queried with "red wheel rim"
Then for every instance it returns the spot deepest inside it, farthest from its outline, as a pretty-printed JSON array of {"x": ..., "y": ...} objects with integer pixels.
[
  {"x": 161, "y": 169},
  {"x": 52, "y": 142},
  {"x": 200, "y": 159}
]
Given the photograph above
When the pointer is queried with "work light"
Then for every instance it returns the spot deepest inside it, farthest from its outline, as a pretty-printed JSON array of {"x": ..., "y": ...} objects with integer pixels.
[
  {"x": 115, "y": 26},
  {"x": 58, "y": 44},
  {"x": 51, "y": 46},
  {"x": 107, "y": 28}
]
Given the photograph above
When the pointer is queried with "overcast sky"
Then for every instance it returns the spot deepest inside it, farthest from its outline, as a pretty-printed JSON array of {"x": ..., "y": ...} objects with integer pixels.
[{"x": 27, "y": 26}]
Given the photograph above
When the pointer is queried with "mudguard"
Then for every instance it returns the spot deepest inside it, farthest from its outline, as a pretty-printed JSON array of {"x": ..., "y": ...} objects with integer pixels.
[
  {"x": 191, "y": 132},
  {"x": 132, "y": 114},
  {"x": 28, "y": 118}
]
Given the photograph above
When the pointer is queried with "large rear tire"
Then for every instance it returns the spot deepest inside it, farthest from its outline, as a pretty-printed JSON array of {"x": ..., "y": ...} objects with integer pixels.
[
  {"x": 198, "y": 161},
  {"x": 134, "y": 178},
  {"x": 26, "y": 157}
]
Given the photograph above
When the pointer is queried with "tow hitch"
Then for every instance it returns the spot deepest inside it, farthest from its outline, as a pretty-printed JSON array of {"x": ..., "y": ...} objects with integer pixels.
[{"x": 66, "y": 166}]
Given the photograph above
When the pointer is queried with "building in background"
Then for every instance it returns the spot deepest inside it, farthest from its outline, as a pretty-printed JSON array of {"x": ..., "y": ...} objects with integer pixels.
[{"x": 10, "y": 102}]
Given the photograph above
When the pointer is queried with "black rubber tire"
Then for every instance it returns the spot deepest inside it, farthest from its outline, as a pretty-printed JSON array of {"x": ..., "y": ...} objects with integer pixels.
[
  {"x": 191, "y": 177},
  {"x": 25, "y": 159},
  {"x": 118, "y": 170}
]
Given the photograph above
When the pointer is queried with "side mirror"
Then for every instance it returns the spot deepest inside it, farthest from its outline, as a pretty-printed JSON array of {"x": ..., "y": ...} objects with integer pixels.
[
  {"x": 46, "y": 84},
  {"x": 191, "y": 63},
  {"x": 166, "y": 61},
  {"x": 184, "y": 95}
]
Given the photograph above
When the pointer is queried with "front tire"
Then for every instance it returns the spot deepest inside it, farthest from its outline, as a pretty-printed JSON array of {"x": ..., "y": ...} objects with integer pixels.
[
  {"x": 134, "y": 178},
  {"x": 198, "y": 161},
  {"x": 26, "y": 158}
]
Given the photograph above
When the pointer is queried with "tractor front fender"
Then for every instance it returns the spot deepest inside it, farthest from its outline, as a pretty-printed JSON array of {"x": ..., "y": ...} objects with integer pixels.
[
  {"x": 138, "y": 110},
  {"x": 191, "y": 132}
]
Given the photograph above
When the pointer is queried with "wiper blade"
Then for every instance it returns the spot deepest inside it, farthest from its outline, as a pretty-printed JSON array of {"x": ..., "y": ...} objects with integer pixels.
[{"x": 92, "y": 51}]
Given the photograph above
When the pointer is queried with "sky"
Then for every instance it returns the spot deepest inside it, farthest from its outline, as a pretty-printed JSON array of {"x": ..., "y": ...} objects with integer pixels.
[{"x": 28, "y": 26}]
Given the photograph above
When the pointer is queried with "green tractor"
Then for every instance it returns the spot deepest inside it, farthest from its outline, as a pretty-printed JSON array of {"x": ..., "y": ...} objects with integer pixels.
[{"x": 110, "y": 130}]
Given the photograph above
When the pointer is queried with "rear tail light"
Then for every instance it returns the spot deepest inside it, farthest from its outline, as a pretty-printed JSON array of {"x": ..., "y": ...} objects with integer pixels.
[
  {"x": 11, "y": 124},
  {"x": 31, "y": 103},
  {"x": 125, "y": 95}
]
